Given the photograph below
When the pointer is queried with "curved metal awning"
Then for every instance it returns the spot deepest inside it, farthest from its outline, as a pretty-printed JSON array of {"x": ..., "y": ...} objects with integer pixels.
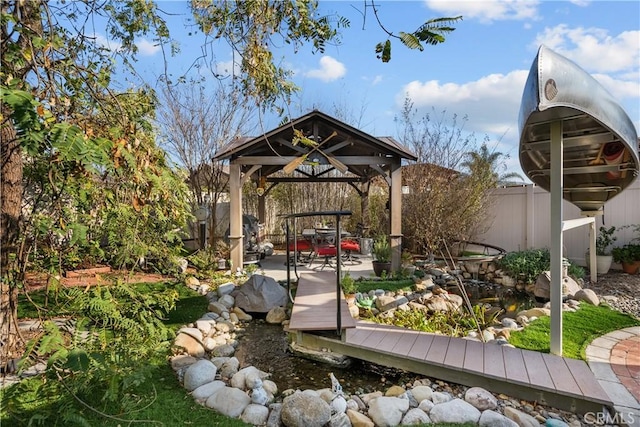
[{"x": 600, "y": 143}]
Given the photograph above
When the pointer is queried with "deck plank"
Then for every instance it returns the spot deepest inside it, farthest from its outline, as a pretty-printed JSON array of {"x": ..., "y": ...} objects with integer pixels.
[
  {"x": 560, "y": 374},
  {"x": 474, "y": 357},
  {"x": 421, "y": 346},
  {"x": 405, "y": 343},
  {"x": 438, "y": 349},
  {"x": 389, "y": 341},
  {"x": 536, "y": 369},
  {"x": 587, "y": 382},
  {"x": 315, "y": 305},
  {"x": 363, "y": 331},
  {"x": 456, "y": 352},
  {"x": 493, "y": 361},
  {"x": 514, "y": 366}
]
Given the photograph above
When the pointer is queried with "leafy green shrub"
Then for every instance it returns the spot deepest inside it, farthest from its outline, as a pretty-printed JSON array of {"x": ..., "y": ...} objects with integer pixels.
[
  {"x": 105, "y": 353},
  {"x": 528, "y": 265}
]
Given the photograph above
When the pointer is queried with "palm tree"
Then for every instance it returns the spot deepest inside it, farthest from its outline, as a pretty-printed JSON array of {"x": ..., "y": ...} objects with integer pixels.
[{"x": 484, "y": 164}]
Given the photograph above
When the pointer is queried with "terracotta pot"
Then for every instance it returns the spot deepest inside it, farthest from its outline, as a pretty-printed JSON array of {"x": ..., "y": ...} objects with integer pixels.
[{"x": 631, "y": 267}]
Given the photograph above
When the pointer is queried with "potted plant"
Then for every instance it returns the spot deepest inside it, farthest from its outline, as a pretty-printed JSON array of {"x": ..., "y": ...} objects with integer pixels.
[
  {"x": 406, "y": 261},
  {"x": 604, "y": 240},
  {"x": 382, "y": 255},
  {"x": 629, "y": 256}
]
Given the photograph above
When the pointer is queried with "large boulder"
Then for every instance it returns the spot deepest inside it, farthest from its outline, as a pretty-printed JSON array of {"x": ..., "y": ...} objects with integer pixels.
[
  {"x": 200, "y": 373},
  {"x": 543, "y": 285},
  {"x": 229, "y": 401},
  {"x": 305, "y": 409},
  {"x": 454, "y": 411},
  {"x": 259, "y": 294},
  {"x": 388, "y": 411}
]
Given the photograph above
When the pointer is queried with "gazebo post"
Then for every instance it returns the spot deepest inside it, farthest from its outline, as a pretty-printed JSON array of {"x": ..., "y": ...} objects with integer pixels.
[
  {"x": 235, "y": 216},
  {"x": 395, "y": 237}
]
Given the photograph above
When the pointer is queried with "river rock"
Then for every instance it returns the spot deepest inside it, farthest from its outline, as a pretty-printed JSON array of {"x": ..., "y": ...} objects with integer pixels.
[
  {"x": 388, "y": 411},
  {"x": 553, "y": 422},
  {"x": 182, "y": 361},
  {"x": 491, "y": 418},
  {"x": 454, "y": 411},
  {"x": 305, "y": 409},
  {"x": 260, "y": 294},
  {"x": 426, "y": 405},
  {"x": 200, "y": 373},
  {"x": 421, "y": 393},
  {"x": 339, "y": 420},
  {"x": 242, "y": 316},
  {"x": 245, "y": 377},
  {"x": 204, "y": 326},
  {"x": 205, "y": 391},
  {"x": 480, "y": 398},
  {"x": 217, "y": 308},
  {"x": 225, "y": 289},
  {"x": 229, "y": 401},
  {"x": 192, "y": 282},
  {"x": 223, "y": 351},
  {"x": 229, "y": 368},
  {"x": 534, "y": 312},
  {"x": 228, "y": 301},
  {"x": 587, "y": 295},
  {"x": 275, "y": 410},
  {"x": 394, "y": 391},
  {"x": 276, "y": 315},
  {"x": 440, "y": 397},
  {"x": 522, "y": 419},
  {"x": 358, "y": 419},
  {"x": 255, "y": 415},
  {"x": 415, "y": 416}
]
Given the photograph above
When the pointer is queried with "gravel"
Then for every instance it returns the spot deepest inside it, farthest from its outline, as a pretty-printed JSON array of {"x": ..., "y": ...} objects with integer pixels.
[{"x": 620, "y": 290}]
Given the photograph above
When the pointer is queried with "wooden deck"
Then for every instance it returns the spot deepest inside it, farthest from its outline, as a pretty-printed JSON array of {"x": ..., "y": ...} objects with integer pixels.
[
  {"x": 559, "y": 382},
  {"x": 315, "y": 307}
]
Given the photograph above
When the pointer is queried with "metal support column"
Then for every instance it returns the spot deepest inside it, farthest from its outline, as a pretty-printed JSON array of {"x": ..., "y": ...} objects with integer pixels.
[{"x": 556, "y": 237}]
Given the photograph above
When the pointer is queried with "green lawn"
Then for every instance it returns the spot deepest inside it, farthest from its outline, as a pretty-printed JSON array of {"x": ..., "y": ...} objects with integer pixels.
[{"x": 578, "y": 330}]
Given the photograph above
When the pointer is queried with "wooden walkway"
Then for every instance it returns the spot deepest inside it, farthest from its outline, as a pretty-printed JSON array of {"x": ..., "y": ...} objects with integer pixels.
[
  {"x": 559, "y": 382},
  {"x": 315, "y": 308}
]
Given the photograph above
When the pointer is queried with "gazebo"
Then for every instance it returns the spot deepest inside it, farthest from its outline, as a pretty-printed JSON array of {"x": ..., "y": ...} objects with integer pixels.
[{"x": 320, "y": 139}]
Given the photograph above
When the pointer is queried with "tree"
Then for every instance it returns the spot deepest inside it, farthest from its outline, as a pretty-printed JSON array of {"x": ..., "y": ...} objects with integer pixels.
[
  {"x": 57, "y": 104},
  {"x": 443, "y": 204},
  {"x": 485, "y": 164},
  {"x": 195, "y": 123}
]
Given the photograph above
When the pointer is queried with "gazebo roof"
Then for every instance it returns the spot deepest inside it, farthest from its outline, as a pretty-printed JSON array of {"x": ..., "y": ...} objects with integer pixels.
[{"x": 364, "y": 155}]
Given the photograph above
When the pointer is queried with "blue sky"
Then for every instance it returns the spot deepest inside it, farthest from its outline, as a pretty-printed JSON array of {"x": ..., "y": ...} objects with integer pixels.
[{"x": 479, "y": 71}]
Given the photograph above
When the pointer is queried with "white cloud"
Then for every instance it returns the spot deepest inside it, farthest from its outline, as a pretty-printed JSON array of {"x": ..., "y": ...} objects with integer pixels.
[
  {"x": 330, "y": 70},
  {"x": 376, "y": 80},
  {"x": 146, "y": 48},
  {"x": 593, "y": 48},
  {"x": 491, "y": 103},
  {"x": 106, "y": 43},
  {"x": 227, "y": 68},
  {"x": 487, "y": 11}
]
